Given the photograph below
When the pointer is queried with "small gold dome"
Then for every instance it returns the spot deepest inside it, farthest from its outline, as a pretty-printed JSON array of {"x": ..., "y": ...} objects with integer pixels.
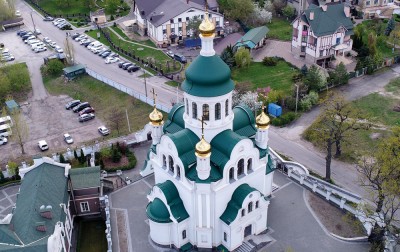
[
  {"x": 203, "y": 149},
  {"x": 156, "y": 117},
  {"x": 262, "y": 120},
  {"x": 207, "y": 28}
]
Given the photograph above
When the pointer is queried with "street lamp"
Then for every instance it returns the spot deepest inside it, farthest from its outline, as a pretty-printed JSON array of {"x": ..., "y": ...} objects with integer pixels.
[
  {"x": 297, "y": 95},
  {"x": 144, "y": 78},
  {"x": 34, "y": 26}
]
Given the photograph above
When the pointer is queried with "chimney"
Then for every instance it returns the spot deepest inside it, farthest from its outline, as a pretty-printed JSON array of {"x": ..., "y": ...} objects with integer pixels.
[
  {"x": 324, "y": 7},
  {"x": 312, "y": 15},
  {"x": 347, "y": 11}
]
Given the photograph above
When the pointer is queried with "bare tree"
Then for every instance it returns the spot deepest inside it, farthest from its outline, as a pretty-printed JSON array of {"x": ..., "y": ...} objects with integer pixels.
[
  {"x": 69, "y": 51},
  {"x": 20, "y": 129},
  {"x": 116, "y": 119}
]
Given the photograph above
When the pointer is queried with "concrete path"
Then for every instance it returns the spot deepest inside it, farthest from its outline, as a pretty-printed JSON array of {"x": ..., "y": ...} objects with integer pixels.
[
  {"x": 231, "y": 39},
  {"x": 8, "y": 197},
  {"x": 38, "y": 90}
]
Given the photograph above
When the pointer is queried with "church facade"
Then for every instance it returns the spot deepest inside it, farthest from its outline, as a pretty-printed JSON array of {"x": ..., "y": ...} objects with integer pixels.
[{"x": 210, "y": 161}]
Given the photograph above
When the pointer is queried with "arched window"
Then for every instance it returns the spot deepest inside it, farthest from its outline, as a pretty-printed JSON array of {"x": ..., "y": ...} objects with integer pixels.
[
  {"x": 249, "y": 164},
  {"x": 243, "y": 212},
  {"x": 171, "y": 164},
  {"x": 178, "y": 171},
  {"x": 206, "y": 112},
  {"x": 226, "y": 107},
  {"x": 250, "y": 207},
  {"x": 231, "y": 173},
  {"x": 194, "y": 110},
  {"x": 240, "y": 167},
  {"x": 164, "y": 161},
  {"x": 187, "y": 106},
  {"x": 183, "y": 234},
  {"x": 257, "y": 204},
  {"x": 217, "y": 111}
]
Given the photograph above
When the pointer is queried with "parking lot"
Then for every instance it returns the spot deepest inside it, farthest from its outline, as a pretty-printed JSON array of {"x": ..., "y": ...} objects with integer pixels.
[{"x": 45, "y": 115}]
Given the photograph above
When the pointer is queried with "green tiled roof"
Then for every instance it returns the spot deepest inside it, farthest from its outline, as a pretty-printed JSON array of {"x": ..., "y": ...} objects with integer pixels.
[
  {"x": 215, "y": 175},
  {"x": 185, "y": 142},
  {"x": 187, "y": 247},
  {"x": 263, "y": 152},
  {"x": 174, "y": 201},
  {"x": 34, "y": 192},
  {"x": 158, "y": 212},
  {"x": 244, "y": 121},
  {"x": 86, "y": 177},
  {"x": 236, "y": 202},
  {"x": 327, "y": 22},
  {"x": 270, "y": 165},
  {"x": 253, "y": 37},
  {"x": 175, "y": 120},
  {"x": 212, "y": 82}
]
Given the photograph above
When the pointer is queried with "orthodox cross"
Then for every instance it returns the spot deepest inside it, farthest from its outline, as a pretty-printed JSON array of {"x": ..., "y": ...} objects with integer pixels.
[
  {"x": 154, "y": 96},
  {"x": 202, "y": 125}
]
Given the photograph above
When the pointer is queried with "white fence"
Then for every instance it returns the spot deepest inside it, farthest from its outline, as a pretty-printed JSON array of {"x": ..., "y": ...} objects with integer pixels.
[{"x": 127, "y": 90}]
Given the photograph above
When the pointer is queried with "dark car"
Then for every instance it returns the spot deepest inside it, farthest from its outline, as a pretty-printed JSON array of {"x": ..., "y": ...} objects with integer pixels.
[
  {"x": 75, "y": 35},
  {"x": 86, "y": 43},
  {"x": 180, "y": 58},
  {"x": 80, "y": 107},
  {"x": 86, "y": 111},
  {"x": 72, "y": 104},
  {"x": 27, "y": 35},
  {"x": 105, "y": 54},
  {"x": 86, "y": 117},
  {"x": 121, "y": 63},
  {"x": 126, "y": 65},
  {"x": 48, "y": 18},
  {"x": 133, "y": 68},
  {"x": 21, "y": 32}
]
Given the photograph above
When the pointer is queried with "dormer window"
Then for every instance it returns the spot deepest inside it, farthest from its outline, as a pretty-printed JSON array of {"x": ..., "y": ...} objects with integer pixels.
[
  {"x": 240, "y": 167},
  {"x": 218, "y": 111},
  {"x": 206, "y": 112},
  {"x": 194, "y": 110},
  {"x": 171, "y": 20},
  {"x": 226, "y": 107},
  {"x": 171, "y": 164}
]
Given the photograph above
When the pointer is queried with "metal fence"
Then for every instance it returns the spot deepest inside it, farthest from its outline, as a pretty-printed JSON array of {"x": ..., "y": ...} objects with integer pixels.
[{"x": 127, "y": 90}]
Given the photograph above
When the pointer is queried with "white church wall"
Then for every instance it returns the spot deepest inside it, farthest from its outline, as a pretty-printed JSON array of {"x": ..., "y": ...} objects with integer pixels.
[{"x": 161, "y": 232}]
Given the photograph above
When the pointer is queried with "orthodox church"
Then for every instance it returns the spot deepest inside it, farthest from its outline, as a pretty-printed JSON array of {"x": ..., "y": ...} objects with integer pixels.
[{"x": 210, "y": 161}]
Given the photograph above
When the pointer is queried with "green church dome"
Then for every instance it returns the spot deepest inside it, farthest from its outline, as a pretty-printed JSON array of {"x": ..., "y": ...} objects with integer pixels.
[{"x": 208, "y": 77}]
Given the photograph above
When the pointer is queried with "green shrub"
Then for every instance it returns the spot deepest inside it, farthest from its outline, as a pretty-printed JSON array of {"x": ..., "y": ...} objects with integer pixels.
[
  {"x": 269, "y": 61},
  {"x": 116, "y": 155},
  {"x": 291, "y": 103},
  {"x": 313, "y": 96},
  {"x": 112, "y": 17},
  {"x": 284, "y": 119},
  {"x": 305, "y": 104}
]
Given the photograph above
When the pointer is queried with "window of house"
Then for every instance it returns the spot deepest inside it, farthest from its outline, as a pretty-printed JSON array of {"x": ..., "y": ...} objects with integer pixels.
[
  {"x": 206, "y": 112},
  {"x": 240, "y": 167},
  {"x": 231, "y": 173},
  {"x": 85, "y": 207},
  {"x": 217, "y": 111},
  {"x": 375, "y": 2},
  {"x": 225, "y": 237},
  {"x": 172, "y": 30},
  {"x": 179, "y": 28},
  {"x": 164, "y": 161},
  {"x": 187, "y": 106},
  {"x": 321, "y": 53},
  {"x": 367, "y": 3},
  {"x": 338, "y": 40},
  {"x": 171, "y": 20},
  {"x": 305, "y": 28},
  {"x": 257, "y": 204},
  {"x": 164, "y": 31},
  {"x": 249, "y": 164},
  {"x": 217, "y": 23},
  {"x": 178, "y": 171},
  {"x": 250, "y": 207},
  {"x": 171, "y": 164},
  {"x": 226, "y": 107},
  {"x": 202, "y": 16},
  {"x": 179, "y": 20},
  {"x": 194, "y": 110},
  {"x": 304, "y": 39},
  {"x": 243, "y": 212},
  {"x": 209, "y": 15},
  {"x": 187, "y": 18},
  {"x": 183, "y": 234}
]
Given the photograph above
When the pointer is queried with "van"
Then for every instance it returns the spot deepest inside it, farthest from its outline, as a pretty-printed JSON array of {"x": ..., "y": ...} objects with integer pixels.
[
  {"x": 96, "y": 47},
  {"x": 81, "y": 106},
  {"x": 180, "y": 58},
  {"x": 43, "y": 145},
  {"x": 39, "y": 44}
]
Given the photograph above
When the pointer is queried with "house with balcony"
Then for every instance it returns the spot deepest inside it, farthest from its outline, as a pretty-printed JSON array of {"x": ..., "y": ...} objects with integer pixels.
[
  {"x": 166, "y": 21},
  {"x": 322, "y": 32}
]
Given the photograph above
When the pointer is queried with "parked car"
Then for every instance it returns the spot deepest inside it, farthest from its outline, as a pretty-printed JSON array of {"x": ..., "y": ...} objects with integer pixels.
[
  {"x": 39, "y": 44},
  {"x": 113, "y": 54},
  {"x": 46, "y": 40},
  {"x": 33, "y": 41},
  {"x": 29, "y": 38},
  {"x": 103, "y": 130},
  {"x": 53, "y": 44},
  {"x": 86, "y": 117},
  {"x": 72, "y": 104},
  {"x": 133, "y": 68},
  {"x": 80, "y": 37},
  {"x": 58, "y": 20},
  {"x": 3, "y": 140},
  {"x": 63, "y": 26},
  {"x": 58, "y": 49},
  {"x": 48, "y": 18},
  {"x": 110, "y": 60},
  {"x": 27, "y": 35},
  {"x": 37, "y": 31},
  {"x": 68, "y": 139},
  {"x": 86, "y": 43},
  {"x": 126, "y": 65},
  {"x": 75, "y": 35},
  {"x": 20, "y": 32},
  {"x": 7, "y": 57},
  {"x": 105, "y": 54},
  {"x": 81, "y": 106},
  {"x": 40, "y": 49},
  {"x": 180, "y": 58},
  {"x": 170, "y": 54},
  {"x": 86, "y": 111},
  {"x": 104, "y": 49},
  {"x": 61, "y": 23},
  {"x": 43, "y": 145},
  {"x": 17, "y": 13}
]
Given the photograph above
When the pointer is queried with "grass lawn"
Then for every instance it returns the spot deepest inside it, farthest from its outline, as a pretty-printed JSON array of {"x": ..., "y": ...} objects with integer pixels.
[
  {"x": 393, "y": 86},
  {"x": 172, "y": 83},
  {"x": 92, "y": 237},
  {"x": 278, "y": 77},
  {"x": 65, "y": 7},
  {"x": 147, "y": 42},
  {"x": 146, "y": 53},
  {"x": 14, "y": 81},
  {"x": 105, "y": 100},
  {"x": 280, "y": 29}
]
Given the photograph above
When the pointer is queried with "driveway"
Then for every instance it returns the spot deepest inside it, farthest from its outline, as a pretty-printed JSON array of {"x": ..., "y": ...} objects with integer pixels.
[{"x": 231, "y": 39}]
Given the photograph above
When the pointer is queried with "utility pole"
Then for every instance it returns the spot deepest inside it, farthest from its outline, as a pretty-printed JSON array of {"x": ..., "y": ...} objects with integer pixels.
[
  {"x": 297, "y": 95},
  {"x": 144, "y": 77},
  {"x": 34, "y": 26},
  {"x": 127, "y": 119}
]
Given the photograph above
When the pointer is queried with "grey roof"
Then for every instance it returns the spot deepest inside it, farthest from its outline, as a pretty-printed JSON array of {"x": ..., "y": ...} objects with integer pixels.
[
  {"x": 327, "y": 22},
  {"x": 160, "y": 11},
  {"x": 86, "y": 177}
]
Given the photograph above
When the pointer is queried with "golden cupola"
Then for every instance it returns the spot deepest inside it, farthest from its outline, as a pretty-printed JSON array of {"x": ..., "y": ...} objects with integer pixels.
[
  {"x": 262, "y": 120},
  {"x": 207, "y": 28},
  {"x": 203, "y": 149},
  {"x": 156, "y": 117}
]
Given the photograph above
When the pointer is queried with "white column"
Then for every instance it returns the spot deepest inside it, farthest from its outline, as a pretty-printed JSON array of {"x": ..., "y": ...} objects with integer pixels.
[
  {"x": 208, "y": 210},
  {"x": 207, "y": 46},
  {"x": 199, "y": 210}
]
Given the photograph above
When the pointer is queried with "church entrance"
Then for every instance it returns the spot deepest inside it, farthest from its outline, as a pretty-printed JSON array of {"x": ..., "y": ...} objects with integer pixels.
[{"x": 247, "y": 231}]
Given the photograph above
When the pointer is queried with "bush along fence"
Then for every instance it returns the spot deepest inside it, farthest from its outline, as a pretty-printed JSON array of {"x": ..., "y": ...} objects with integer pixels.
[
  {"x": 130, "y": 55},
  {"x": 45, "y": 13}
]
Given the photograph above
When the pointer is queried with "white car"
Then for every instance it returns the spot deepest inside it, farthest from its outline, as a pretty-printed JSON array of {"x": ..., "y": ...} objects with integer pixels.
[
  {"x": 3, "y": 140},
  {"x": 103, "y": 130},
  {"x": 53, "y": 44},
  {"x": 37, "y": 31},
  {"x": 46, "y": 40},
  {"x": 58, "y": 21},
  {"x": 110, "y": 60},
  {"x": 43, "y": 145},
  {"x": 84, "y": 41},
  {"x": 83, "y": 36},
  {"x": 17, "y": 13},
  {"x": 68, "y": 139},
  {"x": 40, "y": 49},
  {"x": 58, "y": 49}
]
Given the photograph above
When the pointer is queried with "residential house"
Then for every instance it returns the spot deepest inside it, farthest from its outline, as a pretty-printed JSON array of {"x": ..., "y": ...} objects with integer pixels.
[
  {"x": 253, "y": 39},
  {"x": 321, "y": 32},
  {"x": 98, "y": 17},
  {"x": 166, "y": 21},
  {"x": 302, "y": 5}
]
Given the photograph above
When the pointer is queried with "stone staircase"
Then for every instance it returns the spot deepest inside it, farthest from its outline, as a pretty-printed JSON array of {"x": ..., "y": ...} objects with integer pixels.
[
  {"x": 245, "y": 247},
  {"x": 274, "y": 187}
]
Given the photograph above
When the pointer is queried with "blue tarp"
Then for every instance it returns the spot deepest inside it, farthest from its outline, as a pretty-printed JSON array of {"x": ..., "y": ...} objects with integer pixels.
[{"x": 192, "y": 42}]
